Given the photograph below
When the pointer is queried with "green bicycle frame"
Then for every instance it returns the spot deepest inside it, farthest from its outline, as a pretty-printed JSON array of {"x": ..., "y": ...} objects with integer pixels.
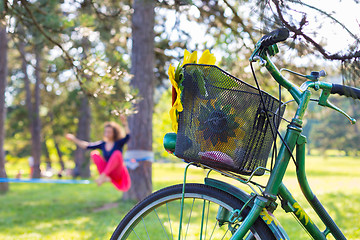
[
  {"x": 293, "y": 139},
  {"x": 275, "y": 188}
]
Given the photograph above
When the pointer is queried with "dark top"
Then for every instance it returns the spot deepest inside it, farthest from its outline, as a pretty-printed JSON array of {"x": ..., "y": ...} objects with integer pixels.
[{"x": 118, "y": 145}]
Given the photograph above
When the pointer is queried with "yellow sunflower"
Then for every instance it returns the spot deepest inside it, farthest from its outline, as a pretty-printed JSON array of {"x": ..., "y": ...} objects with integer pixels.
[{"x": 206, "y": 58}]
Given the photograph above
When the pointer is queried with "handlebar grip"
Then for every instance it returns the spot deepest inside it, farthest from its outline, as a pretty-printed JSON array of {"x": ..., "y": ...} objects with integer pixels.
[
  {"x": 346, "y": 91},
  {"x": 275, "y": 36}
]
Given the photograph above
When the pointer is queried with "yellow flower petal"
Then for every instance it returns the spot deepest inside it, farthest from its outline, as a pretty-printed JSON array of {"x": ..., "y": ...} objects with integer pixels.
[
  {"x": 177, "y": 107},
  {"x": 207, "y": 58},
  {"x": 173, "y": 117},
  {"x": 193, "y": 57},
  {"x": 189, "y": 58},
  {"x": 186, "y": 56},
  {"x": 171, "y": 73}
]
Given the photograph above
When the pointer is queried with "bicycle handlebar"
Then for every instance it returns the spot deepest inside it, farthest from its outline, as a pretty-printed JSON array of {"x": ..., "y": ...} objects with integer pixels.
[
  {"x": 274, "y": 37},
  {"x": 346, "y": 91}
]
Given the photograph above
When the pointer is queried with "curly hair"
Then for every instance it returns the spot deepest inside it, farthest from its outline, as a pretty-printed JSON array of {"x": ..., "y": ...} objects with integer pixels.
[{"x": 117, "y": 130}]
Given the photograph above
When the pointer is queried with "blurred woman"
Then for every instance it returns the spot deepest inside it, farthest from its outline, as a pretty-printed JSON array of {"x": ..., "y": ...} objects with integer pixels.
[{"x": 110, "y": 163}]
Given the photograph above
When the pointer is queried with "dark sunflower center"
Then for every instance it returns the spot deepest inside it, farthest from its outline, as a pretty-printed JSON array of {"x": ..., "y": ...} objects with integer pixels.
[{"x": 217, "y": 121}]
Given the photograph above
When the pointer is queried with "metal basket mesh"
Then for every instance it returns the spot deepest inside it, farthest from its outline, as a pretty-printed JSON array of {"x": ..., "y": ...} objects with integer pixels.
[{"x": 223, "y": 124}]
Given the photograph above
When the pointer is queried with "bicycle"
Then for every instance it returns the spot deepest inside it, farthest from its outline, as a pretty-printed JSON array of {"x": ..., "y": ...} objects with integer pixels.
[{"x": 217, "y": 209}]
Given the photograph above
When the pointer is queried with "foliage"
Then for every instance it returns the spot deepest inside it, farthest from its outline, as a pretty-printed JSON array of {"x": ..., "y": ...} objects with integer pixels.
[
  {"x": 334, "y": 131},
  {"x": 78, "y": 57}
]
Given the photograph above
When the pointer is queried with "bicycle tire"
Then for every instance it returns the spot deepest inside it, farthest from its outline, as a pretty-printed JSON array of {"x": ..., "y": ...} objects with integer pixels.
[{"x": 204, "y": 194}]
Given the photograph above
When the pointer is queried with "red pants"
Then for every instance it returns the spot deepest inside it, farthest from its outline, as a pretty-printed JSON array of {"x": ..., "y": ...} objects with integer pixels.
[{"x": 114, "y": 168}]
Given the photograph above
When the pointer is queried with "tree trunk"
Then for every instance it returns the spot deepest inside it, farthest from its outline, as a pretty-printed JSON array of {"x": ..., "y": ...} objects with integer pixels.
[
  {"x": 82, "y": 160},
  {"x": 28, "y": 98},
  {"x": 142, "y": 64},
  {"x": 36, "y": 123},
  {"x": 33, "y": 107},
  {"x": 47, "y": 155},
  {"x": 59, "y": 153},
  {"x": 4, "y": 187}
]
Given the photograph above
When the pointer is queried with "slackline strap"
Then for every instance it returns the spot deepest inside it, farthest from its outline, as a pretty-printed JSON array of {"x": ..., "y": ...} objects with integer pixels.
[{"x": 37, "y": 180}]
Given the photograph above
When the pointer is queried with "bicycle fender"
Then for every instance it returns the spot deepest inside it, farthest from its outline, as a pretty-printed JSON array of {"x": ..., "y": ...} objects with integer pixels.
[{"x": 266, "y": 215}]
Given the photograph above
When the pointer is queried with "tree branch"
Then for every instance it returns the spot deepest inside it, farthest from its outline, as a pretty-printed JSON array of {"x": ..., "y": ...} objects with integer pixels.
[
  {"x": 224, "y": 23},
  {"x": 299, "y": 32},
  {"x": 68, "y": 57},
  {"x": 102, "y": 15},
  {"x": 329, "y": 16},
  {"x": 241, "y": 22}
]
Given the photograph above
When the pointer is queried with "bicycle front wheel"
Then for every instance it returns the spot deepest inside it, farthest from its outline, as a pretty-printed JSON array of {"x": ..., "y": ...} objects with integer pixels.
[{"x": 158, "y": 216}]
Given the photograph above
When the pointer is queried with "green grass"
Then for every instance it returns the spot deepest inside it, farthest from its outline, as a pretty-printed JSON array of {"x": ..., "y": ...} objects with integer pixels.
[{"x": 64, "y": 211}]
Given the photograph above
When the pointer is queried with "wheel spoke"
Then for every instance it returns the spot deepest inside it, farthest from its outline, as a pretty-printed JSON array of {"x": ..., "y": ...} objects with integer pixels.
[
  {"x": 202, "y": 219},
  {"x": 135, "y": 233},
  {"x": 145, "y": 228},
  {"x": 167, "y": 208},
  {"x": 207, "y": 219},
  {"x": 213, "y": 230},
  {"x": 188, "y": 224},
  {"x": 161, "y": 224},
  {"x": 225, "y": 234}
]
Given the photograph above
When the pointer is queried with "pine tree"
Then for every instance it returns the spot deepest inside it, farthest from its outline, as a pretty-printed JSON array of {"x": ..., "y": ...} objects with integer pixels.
[{"x": 4, "y": 186}]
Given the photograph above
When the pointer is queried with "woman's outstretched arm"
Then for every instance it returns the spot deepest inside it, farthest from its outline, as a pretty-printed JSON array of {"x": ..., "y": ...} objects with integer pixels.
[
  {"x": 80, "y": 143},
  {"x": 125, "y": 124}
]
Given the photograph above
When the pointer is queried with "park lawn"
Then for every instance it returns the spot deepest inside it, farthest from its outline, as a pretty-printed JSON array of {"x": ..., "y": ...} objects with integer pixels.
[{"x": 64, "y": 211}]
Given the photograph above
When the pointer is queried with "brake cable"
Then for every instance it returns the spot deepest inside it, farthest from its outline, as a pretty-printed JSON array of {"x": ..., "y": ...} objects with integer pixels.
[{"x": 266, "y": 113}]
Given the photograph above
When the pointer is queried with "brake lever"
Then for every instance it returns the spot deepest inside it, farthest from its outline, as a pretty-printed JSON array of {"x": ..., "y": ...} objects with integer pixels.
[
  {"x": 313, "y": 76},
  {"x": 323, "y": 101}
]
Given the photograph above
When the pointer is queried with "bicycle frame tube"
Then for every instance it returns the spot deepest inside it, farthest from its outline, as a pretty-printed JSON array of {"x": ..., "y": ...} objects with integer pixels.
[
  {"x": 291, "y": 138},
  {"x": 291, "y": 203},
  {"x": 299, "y": 213},
  {"x": 310, "y": 196},
  {"x": 292, "y": 133}
]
